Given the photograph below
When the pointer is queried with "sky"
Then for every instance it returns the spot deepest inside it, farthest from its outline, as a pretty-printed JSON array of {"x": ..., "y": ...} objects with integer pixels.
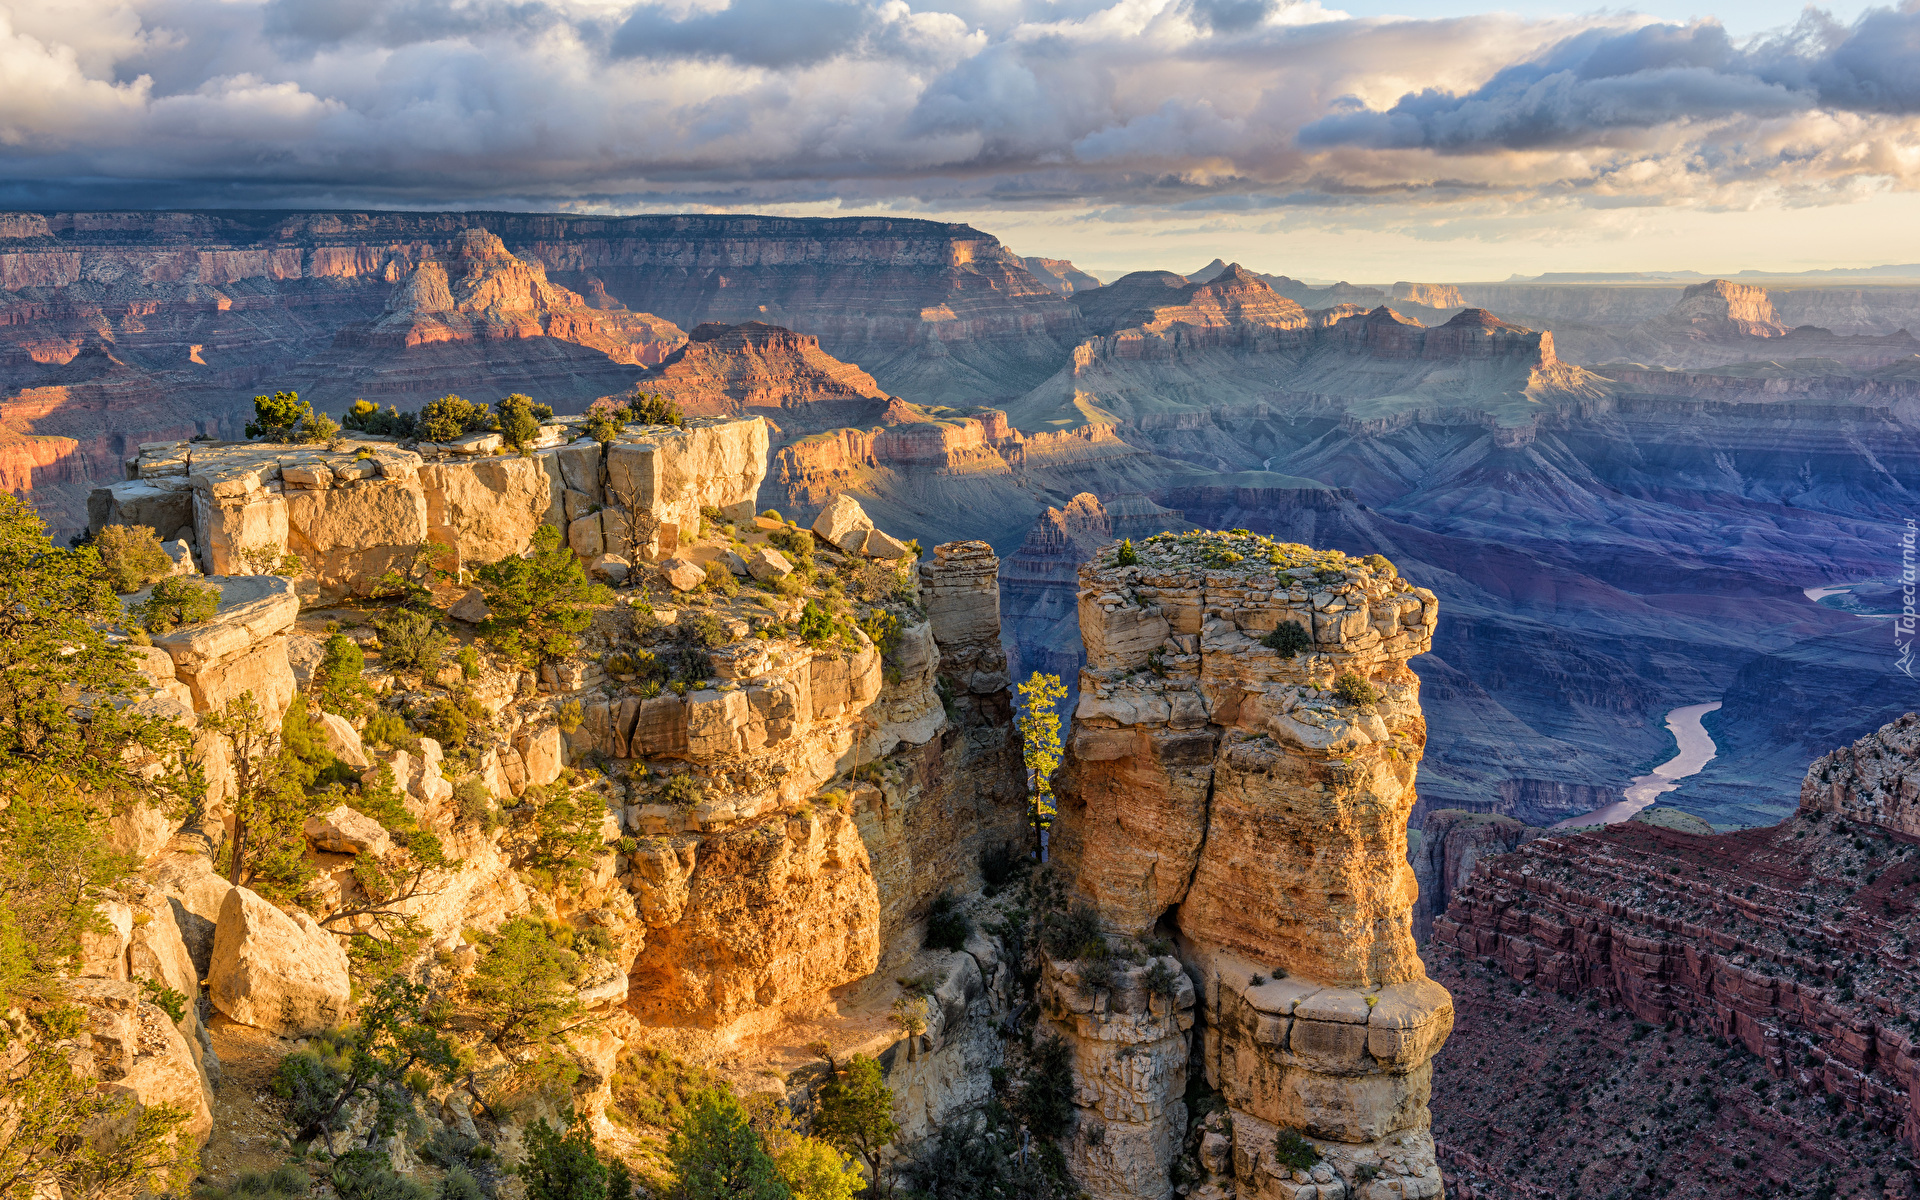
[{"x": 1375, "y": 140}]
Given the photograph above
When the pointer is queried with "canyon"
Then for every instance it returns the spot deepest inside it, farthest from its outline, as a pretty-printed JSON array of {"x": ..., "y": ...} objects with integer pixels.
[
  {"x": 770, "y": 837},
  {"x": 1654, "y": 1005},
  {"x": 1616, "y": 489}
]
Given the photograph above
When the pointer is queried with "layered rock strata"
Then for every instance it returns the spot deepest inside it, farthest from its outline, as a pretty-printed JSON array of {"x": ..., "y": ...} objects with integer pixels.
[
  {"x": 1226, "y": 793},
  {"x": 356, "y": 509},
  {"x": 1793, "y": 941}
]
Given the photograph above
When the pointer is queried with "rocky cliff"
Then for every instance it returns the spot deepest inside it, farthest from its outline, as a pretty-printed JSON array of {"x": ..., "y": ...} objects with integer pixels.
[
  {"x": 756, "y": 369},
  {"x": 770, "y": 811},
  {"x": 1788, "y": 944},
  {"x": 1234, "y": 797},
  {"x": 122, "y": 328}
]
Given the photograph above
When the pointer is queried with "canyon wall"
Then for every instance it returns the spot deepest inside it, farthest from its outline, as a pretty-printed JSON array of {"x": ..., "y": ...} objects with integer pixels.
[
  {"x": 123, "y": 328},
  {"x": 1227, "y": 795}
]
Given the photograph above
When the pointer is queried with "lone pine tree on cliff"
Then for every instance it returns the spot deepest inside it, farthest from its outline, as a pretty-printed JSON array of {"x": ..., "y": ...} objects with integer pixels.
[{"x": 1040, "y": 743}]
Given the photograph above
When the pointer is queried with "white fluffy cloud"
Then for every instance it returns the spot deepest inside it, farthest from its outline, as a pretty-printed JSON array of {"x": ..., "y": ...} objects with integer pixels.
[{"x": 1194, "y": 106}]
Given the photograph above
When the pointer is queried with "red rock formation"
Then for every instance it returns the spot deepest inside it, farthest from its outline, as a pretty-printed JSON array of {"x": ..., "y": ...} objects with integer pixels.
[
  {"x": 1794, "y": 941},
  {"x": 1450, "y": 843},
  {"x": 209, "y": 308},
  {"x": 476, "y": 290},
  {"x": 763, "y": 370}
]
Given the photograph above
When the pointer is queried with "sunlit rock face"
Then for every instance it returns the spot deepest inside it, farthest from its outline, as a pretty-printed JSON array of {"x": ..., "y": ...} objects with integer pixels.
[{"x": 1238, "y": 782}]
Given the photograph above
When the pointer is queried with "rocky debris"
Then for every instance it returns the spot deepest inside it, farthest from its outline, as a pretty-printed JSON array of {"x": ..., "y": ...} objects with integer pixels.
[
  {"x": 342, "y": 740},
  {"x": 1241, "y": 764},
  {"x": 768, "y": 564},
  {"x": 341, "y": 830},
  {"x": 1877, "y": 779},
  {"x": 274, "y": 971},
  {"x": 609, "y": 568},
  {"x": 684, "y": 574},
  {"x": 135, "y": 1050},
  {"x": 471, "y": 608},
  {"x": 844, "y": 524}
]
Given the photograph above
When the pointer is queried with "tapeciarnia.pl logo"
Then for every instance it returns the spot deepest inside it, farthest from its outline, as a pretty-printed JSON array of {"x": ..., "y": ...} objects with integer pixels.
[{"x": 1903, "y": 625}]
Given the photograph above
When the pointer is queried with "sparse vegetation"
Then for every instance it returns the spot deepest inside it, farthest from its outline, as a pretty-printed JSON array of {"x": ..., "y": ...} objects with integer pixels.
[
  {"x": 1352, "y": 689},
  {"x": 451, "y": 417},
  {"x": 176, "y": 601},
  {"x": 285, "y": 417},
  {"x": 131, "y": 557},
  {"x": 947, "y": 926},
  {"x": 1288, "y": 639},
  {"x": 536, "y": 601},
  {"x": 1294, "y": 1151}
]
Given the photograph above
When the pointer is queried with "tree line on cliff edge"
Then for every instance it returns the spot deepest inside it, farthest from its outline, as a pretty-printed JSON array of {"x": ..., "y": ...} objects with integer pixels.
[{"x": 284, "y": 417}]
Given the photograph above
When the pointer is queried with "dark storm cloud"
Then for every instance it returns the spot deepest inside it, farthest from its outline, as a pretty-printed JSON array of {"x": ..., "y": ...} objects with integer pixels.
[{"x": 1155, "y": 103}]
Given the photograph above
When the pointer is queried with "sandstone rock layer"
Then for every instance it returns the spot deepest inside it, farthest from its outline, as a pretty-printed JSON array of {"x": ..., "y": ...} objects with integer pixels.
[{"x": 1239, "y": 776}]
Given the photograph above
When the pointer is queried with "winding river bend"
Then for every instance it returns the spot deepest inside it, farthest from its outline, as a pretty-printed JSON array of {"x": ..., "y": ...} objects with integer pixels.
[{"x": 1696, "y": 750}]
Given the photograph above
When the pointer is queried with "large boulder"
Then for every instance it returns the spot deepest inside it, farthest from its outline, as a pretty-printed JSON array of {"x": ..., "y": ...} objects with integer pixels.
[
  {"x": 768, "y": 564},
  {"x": 884, "y": 545},
  {"x": 684, "y": 574},
  {"x": 279, "y": 973},
  {"x": 844, "y": 524},
  {"x": 343, "y": 740},
  {"x": 346, "y": 831}
]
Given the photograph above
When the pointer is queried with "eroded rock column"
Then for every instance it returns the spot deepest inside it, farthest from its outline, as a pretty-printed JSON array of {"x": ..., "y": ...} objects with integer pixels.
[{"x": 1245, "y": 793}]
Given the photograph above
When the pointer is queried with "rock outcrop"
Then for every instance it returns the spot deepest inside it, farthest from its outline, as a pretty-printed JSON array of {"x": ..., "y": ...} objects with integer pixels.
[
  {"x": 359, "y": 508},
  {"x": 1790, "y": 940},
  {"x": 1059, "y": 276},
  {"x": 1875, "y": 780},
  {"x": 276, "y": 971},
  {"x": 1237, "y": 797},
  {"x": 756, "y": 369}
]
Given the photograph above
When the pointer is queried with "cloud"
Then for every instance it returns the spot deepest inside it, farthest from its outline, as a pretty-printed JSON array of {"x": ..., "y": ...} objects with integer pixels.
[
  {"x": 1150, "y": 105},
  {"x": 1595, "y": 84}
]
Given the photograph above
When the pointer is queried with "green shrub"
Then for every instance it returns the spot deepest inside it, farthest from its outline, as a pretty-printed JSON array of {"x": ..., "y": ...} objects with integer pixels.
[
  {"x": 1047, "y": 1100},
  {"x": 519, "y": 419},
  {"x": 773, "y": 514},
  {"x": 1096, "y": 973},
  {"x": 683, "y": 789},
  {"x": 1289, "y": 638},
  {"x": 387, "y": 728},
  {"x": 445, "y": 723},
  {"x": 605, "y": 420},
  {"x": 450, "y": 417},
  {"x": 410, "y": 639},
  {"x": 175, "y": 601},
  {"x": 1126, "y": 556},
  {"x": 1295, "y": 1152},
  {"x": 655, "y": 409},
  {"x": 707, "y": 629},
  {"x": 1162, "y": 980},
  {"x": 1351, "y": 689},
  {"x": 131, "y": 557},
  {"x": 365, "y": 417},
  {"x": 798, "y": 543},
  {"x": 1068, "y": 933},
  {"x": 369, "y": 1175},
  {"x": 339, "y": 684},
  {"x": 947, "y": 927},
  {"x": 475, "y": 804},
  {"x": 535, "y": 601},
  {"x": 285, "y": 417},
  {"x": 169, "y": 1001}
]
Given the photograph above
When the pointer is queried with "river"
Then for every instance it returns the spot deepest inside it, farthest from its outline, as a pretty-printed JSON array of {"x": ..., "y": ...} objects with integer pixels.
[{"x": 1696, "y": 751}]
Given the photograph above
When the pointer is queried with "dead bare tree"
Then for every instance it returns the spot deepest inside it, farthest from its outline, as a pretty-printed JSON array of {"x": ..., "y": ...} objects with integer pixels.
[{"x": 633, "y": 526}]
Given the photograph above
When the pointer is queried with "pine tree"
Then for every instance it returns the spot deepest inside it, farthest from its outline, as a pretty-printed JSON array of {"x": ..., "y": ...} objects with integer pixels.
[
  {"x": 718, "y": 1156},
  {"x": 1040, "y": 743},
  {"x": 856, "y": 1114}
]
